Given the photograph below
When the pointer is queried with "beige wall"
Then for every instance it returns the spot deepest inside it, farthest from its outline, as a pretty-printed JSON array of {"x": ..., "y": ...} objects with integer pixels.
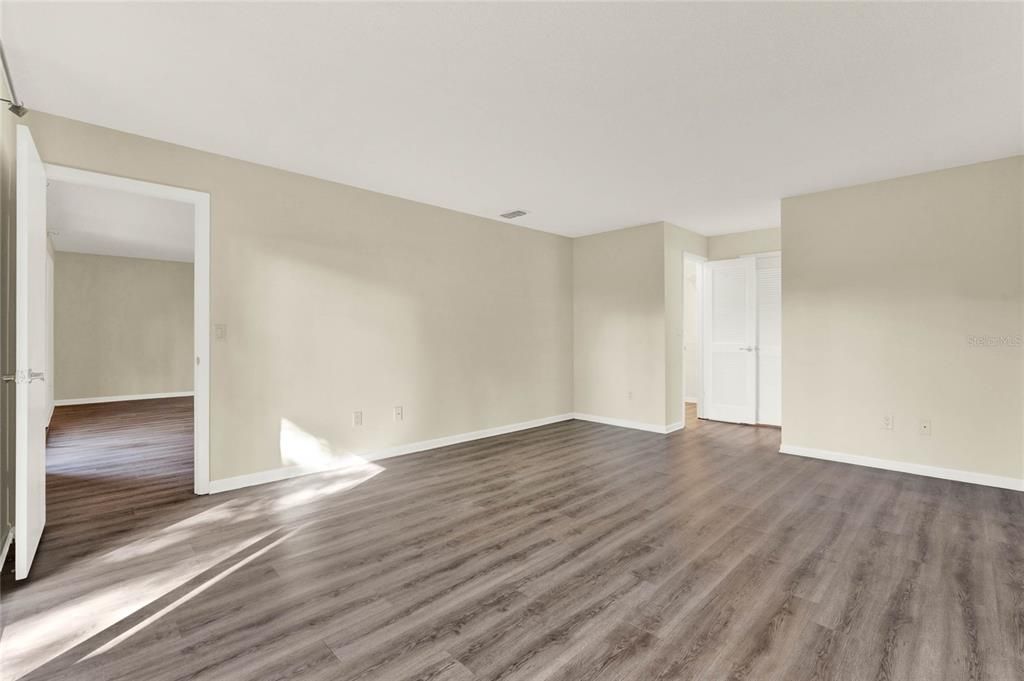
[
  {"x": 883, "y": 286},
  {"x": 628, "y": 321},
  {"x": 122, "y": 326},
  {"x": 338, "y": 299},
  {"x": 374, "y": 302},
  {"x": 619, "y": 324},
  {"x": 726, "y": 246}
]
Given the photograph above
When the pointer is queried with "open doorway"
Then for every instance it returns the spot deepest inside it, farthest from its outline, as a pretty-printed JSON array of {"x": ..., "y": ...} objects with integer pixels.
[
  {"x": 742, "y": 340},
  {"x": 141, "y": 252},
  {"x": 122, "y": 326},
  {"x": 122, "y": 343},
  {"x": 693, "y": 320},
  {"x": 118, "y": 355}
]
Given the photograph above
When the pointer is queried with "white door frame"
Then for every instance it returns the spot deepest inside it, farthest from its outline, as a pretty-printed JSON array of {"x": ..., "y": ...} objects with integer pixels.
[
  {"x": 758, "y": 257},
  {"x": 201, "y": 292},
  {"x": 699, "y": 261}
]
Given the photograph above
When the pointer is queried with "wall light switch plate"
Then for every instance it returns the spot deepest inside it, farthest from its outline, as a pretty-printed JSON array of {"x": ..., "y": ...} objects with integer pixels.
[
  {"x": 399, "y": 414},
  {"x": 887, "y": 422},
  {"x": 220, "y": 331},
  {"x": 357, "y": 418}
]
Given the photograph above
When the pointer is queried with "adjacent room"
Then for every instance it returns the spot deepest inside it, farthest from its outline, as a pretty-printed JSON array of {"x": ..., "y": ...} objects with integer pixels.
[
  {"x": 539, "y": 341},
  {"x": 123, "y": 344}
]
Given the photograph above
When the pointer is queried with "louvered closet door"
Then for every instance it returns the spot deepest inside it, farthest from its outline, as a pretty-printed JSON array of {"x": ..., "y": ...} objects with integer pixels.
[
  {"x": 730, "y": 338},
  {"x": 769, "y": 340}
]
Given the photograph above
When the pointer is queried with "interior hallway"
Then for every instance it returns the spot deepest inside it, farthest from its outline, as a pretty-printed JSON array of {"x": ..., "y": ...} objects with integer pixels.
[{"x": 572, "y": 551}]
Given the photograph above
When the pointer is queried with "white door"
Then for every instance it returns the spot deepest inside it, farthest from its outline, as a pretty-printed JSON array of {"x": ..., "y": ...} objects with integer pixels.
[
  {"x": 769, "y": 340},
  {"x": 31, "y": 355},
  {"x": 730, "y": 340}
]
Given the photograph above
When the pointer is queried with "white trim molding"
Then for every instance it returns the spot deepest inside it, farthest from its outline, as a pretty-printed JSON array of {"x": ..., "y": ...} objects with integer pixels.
[
  {"x": 272, "y": 475},
  {"x": 907, "y": 467},
  {"x": 286, "y": 472},
  {"x": 201, "y": 292},
  {"x": 413, "y": 447},
  {"x": 121, "y": 398},
  {"x": 276, "y": 474},
  {"x": 635, "y": 425}
]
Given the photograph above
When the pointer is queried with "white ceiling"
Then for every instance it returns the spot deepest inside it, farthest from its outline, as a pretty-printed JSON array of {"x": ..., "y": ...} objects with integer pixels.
[
  {"x": 589, "y": 116},
  {"x": 99, "y": 221}
]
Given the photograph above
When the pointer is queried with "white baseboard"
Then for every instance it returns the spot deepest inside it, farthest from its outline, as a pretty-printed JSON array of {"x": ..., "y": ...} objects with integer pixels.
[
  {"x": 273, "y": 475},
  {"x": 414, "y": 447},
  {"x": 276, "y": 474},
  {"x": 635, "y": 425},
  {"x": 673, "y": 427},
  {"x": 120, "y": 398},
  {"x": 906, "y": 467},
  {"x": 7, "y": 545}
]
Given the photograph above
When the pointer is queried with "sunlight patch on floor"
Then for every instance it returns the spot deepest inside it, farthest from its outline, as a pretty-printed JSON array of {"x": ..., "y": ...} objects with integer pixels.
[
  {"x": 342, "y": 470},
  {"x": 110, "y": 645},
  {"x": 35, "y": 640},
  {"x": 233, "y": 511}
]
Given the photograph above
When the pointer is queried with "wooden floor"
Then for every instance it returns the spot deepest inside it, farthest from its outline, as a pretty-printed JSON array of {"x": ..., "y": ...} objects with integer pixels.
[{"x": 568, "y": 552}]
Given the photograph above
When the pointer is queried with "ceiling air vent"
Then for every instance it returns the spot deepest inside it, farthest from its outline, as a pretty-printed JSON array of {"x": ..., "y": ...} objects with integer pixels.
[{"x": 513, "y": 214}]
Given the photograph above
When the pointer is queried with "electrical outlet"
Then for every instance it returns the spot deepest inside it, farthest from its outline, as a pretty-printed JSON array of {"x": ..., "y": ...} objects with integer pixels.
[
  {"x": 357, "y": 418},
  {"x": 220, "y": 331},
  {"x": 925, "y": 428},
  {"x": 629, "y": 396},
  {"x": 887, "y": 423},
  {"x": 399, "y": 414}
]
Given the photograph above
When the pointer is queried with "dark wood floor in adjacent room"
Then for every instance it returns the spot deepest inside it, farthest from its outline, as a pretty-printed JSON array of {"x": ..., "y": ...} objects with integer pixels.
[{"x": 568, "y": 552}]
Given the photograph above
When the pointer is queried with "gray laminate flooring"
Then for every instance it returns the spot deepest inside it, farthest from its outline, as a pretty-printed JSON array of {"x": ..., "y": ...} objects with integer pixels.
[{"x": 568, "y": 552}]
